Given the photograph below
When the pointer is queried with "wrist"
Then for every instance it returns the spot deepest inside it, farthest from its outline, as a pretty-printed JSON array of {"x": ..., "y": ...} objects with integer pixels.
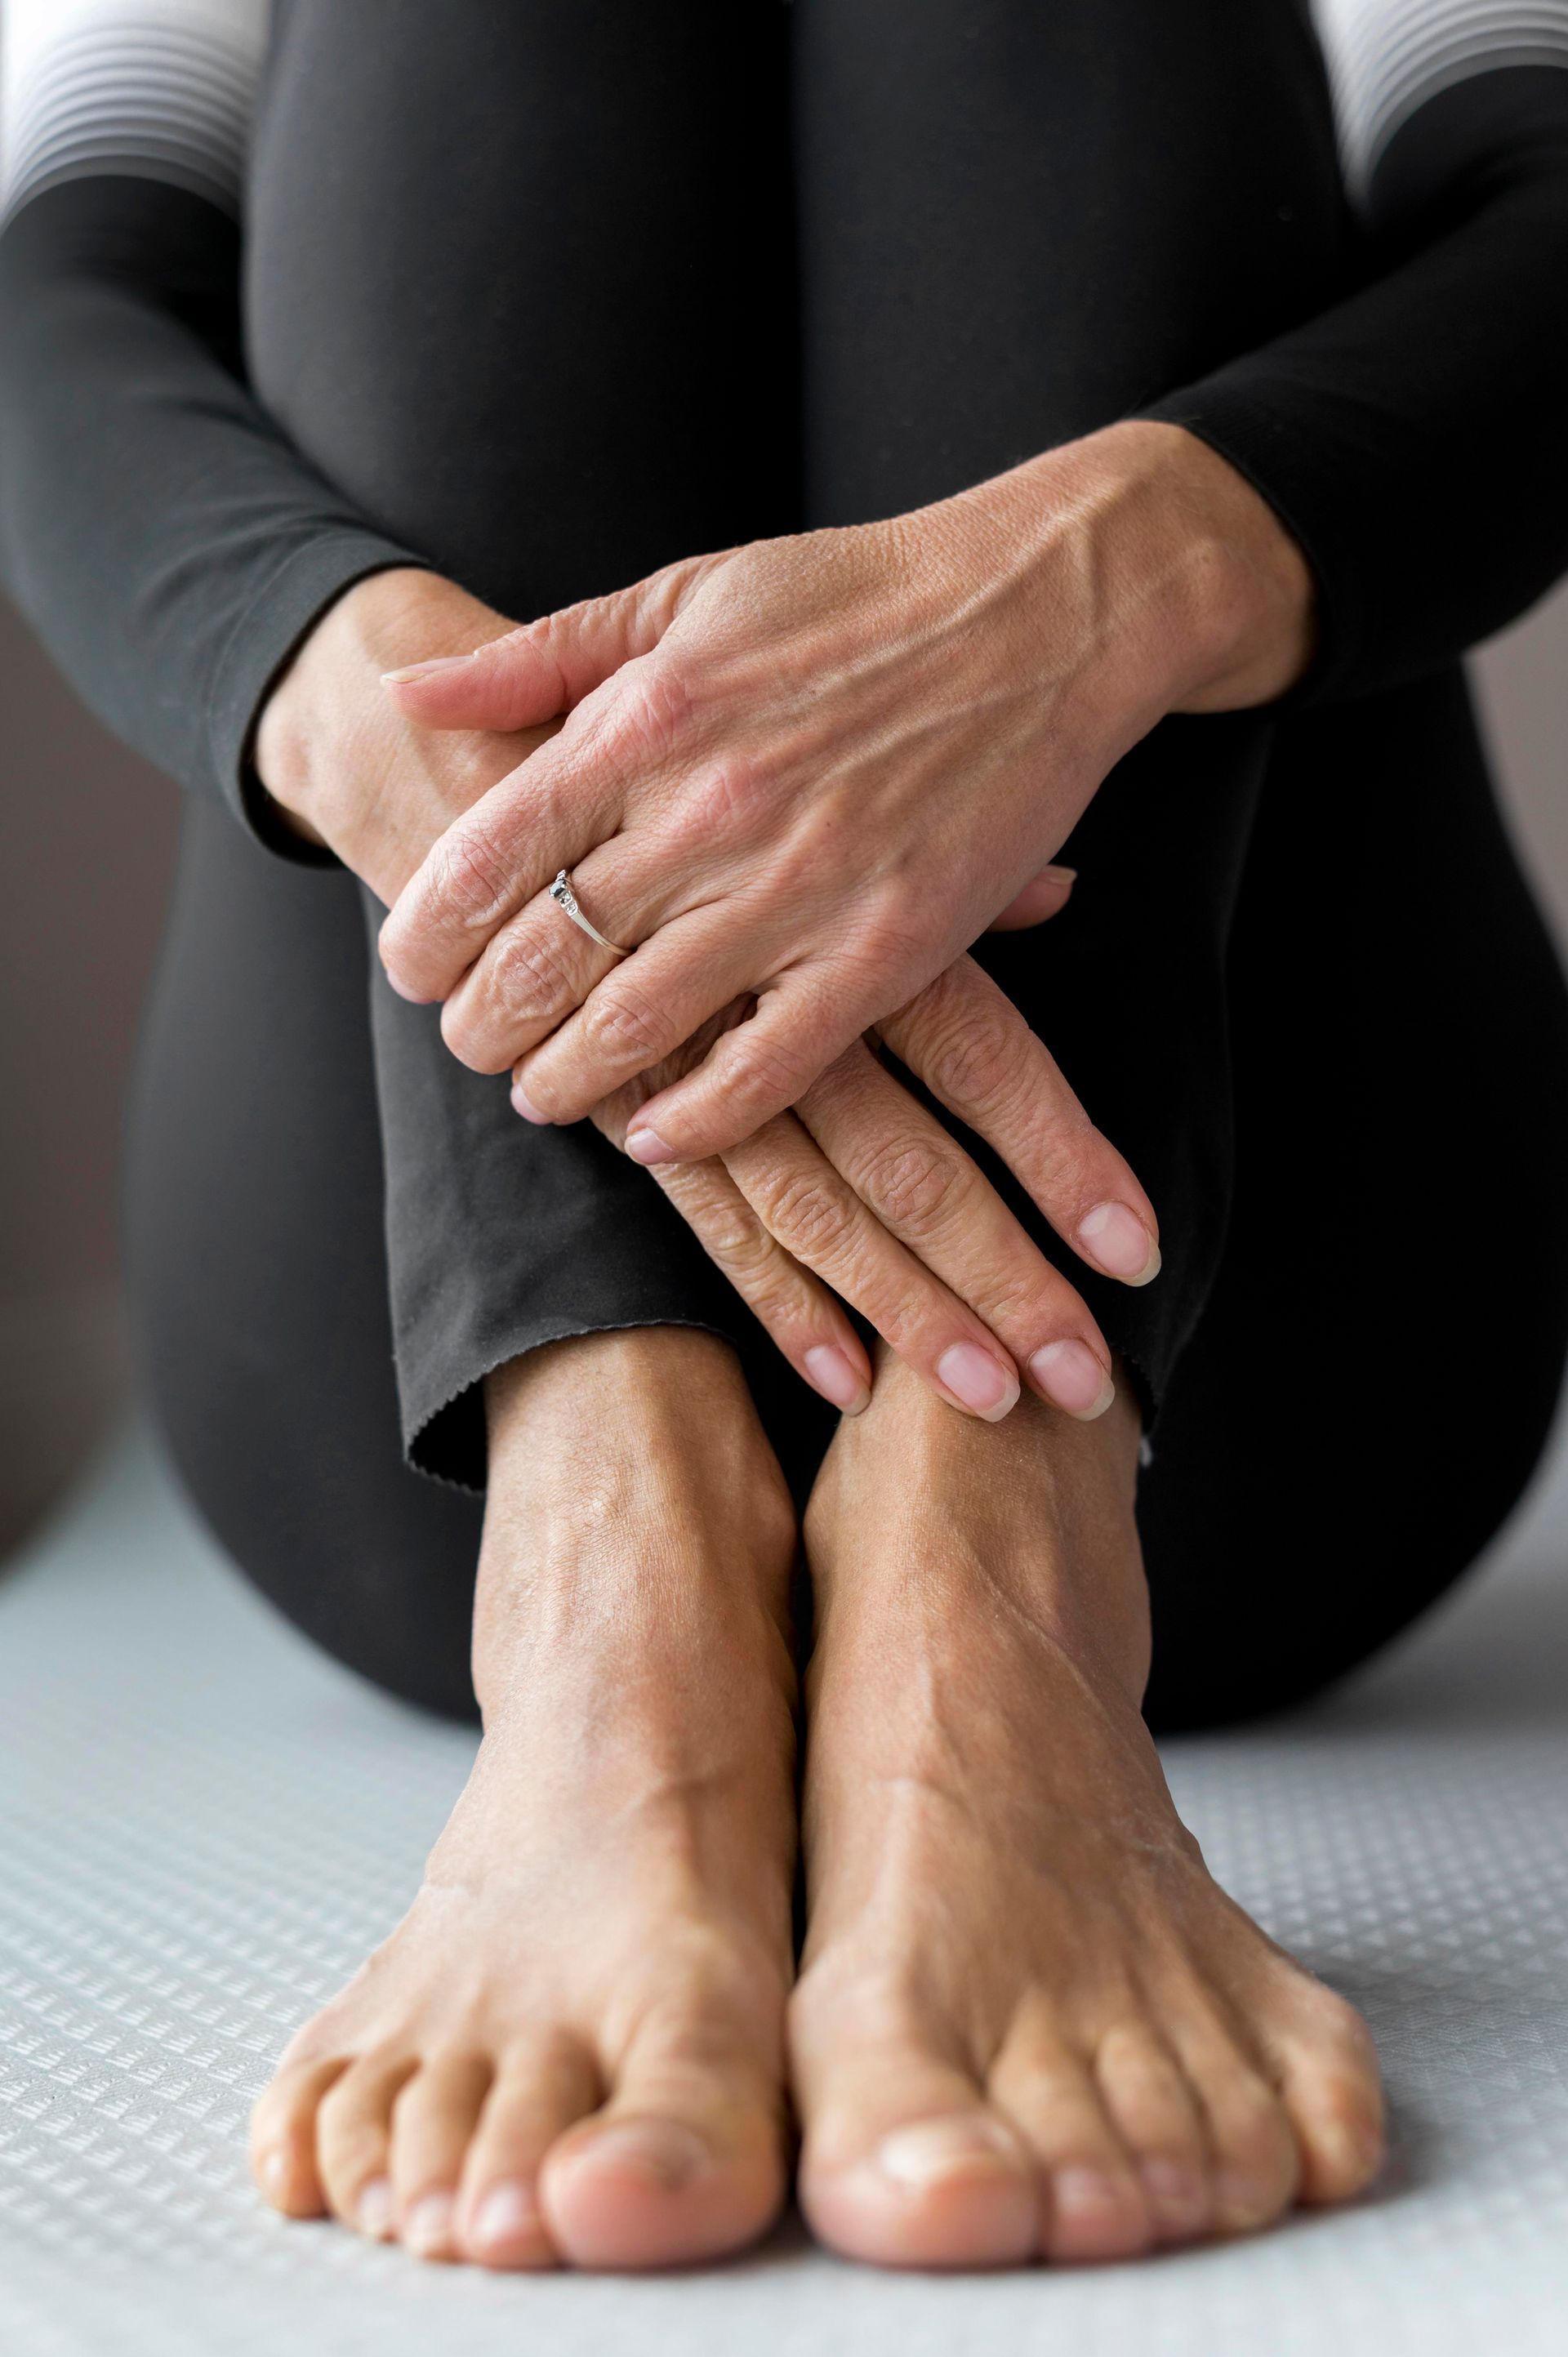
[
  {"x": 1199, "y": 598},
  {"x": 1249, "y": 603}
]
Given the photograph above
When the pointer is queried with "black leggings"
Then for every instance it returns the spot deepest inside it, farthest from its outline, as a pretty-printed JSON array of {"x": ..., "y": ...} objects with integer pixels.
[{"x": 792, "y": 273}]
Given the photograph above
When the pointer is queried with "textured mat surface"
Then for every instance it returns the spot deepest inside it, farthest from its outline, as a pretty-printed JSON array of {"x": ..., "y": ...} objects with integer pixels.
[{"x": 203, "y": 1826}]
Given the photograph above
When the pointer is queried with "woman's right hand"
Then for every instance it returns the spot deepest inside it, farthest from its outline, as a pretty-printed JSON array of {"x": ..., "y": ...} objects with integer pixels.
[{"x": 859, "y": 1194}]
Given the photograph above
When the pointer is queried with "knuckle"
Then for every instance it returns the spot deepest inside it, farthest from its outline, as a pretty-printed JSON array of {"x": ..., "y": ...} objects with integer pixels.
[
  {"x": 650, "y": 712},
  {"x": 974, "y": 1062},
  {"x": 714, "y": 803},
  {"x": 530, "y": 973},
  {"x": 623, "y": 1028},
  {"x": 471, "y": 877},
  {"x": 813, "y": 1220},
  {"x": 918, "y": 1183},
  {"x": 761, "y": 1076},
  {"x": 755, "y": 1266},
  {"x": 742, "y": 1246},
  {"x": 1031, "y": 1297},
  {"x": 890, "y": 932}
]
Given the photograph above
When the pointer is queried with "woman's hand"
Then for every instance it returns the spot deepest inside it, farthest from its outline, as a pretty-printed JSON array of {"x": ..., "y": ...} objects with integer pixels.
[
  {"x": 863, "y": 1187},
  {"x": 348, "y": 771},
  {"x": 861, "y": 1195},
  {"x": 812, "y": 770}
]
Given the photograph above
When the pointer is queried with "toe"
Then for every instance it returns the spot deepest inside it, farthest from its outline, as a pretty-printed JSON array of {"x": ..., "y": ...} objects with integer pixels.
[
  {"x": 353, "y": 2142},
  {"x": 433, "y": 2122},
  {"x": 905, "y": 2164},
  {"x": 282, "y": 2135},
  {"x": 683, "y": 2164},
  {"x": 1095, "y": 2205},
  {"x": 1257, "y": 2168},
  {"x": 1156, "y": 2116},
  {"x": 1326, "y": 2067},
  {"x": 538, "y": 2094}
]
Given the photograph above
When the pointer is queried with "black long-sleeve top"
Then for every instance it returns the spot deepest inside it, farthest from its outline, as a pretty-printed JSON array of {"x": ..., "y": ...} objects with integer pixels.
[{"x": 172, "y": 544}]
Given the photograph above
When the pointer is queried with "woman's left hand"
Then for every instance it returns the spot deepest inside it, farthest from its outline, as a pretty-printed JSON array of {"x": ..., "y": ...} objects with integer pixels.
[{"x": 812, "y": 771}]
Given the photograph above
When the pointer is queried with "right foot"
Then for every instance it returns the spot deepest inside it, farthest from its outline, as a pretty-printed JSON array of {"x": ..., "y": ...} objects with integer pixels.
[{"x": 572, "y": 2048}]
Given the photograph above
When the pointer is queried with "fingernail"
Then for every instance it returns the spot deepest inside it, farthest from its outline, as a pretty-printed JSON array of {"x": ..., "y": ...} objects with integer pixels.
[
  {"x": 922, "y": 2155},
  {"x": 836, "y": 1375},
  {"x": 646, "y": 1145},
  {"x": 506, "y": 2212},
  {"x": 373, "y": 2210},
  {"x": 977, "y": 1379},
  {"x": 400, "y": 987},
  {"x": 1116, "y": 1240},
  {"x": 669, "y": 2153},
  {"x": 1073, "y": 1378},
  {"x": 424, "y": 670},
  {"x": 524, "y": 1104},
  {"x": 428, "y": 2225},
  {"x": 1067, "y": 875}
]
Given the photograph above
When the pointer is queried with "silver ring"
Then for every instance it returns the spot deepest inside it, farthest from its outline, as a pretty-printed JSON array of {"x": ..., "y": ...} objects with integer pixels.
[{"x": 566, "y": 900}]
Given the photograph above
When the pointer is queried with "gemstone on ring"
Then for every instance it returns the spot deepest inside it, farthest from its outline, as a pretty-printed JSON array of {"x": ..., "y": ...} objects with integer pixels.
[{"x": 566, "y": 900}]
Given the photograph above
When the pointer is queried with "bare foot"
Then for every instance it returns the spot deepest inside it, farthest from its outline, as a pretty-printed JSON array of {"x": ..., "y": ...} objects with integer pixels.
[
  {"x": 1028, "y": 2022},
  {"x": 572, "y": 2048}
]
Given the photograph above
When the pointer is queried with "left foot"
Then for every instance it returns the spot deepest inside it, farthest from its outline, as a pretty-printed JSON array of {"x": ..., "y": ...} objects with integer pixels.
[{"x": 1029, "y": 2024}]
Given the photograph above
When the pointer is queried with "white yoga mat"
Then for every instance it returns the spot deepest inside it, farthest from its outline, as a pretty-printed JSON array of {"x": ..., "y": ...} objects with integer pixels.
[{"x": 203, "y": 1825}]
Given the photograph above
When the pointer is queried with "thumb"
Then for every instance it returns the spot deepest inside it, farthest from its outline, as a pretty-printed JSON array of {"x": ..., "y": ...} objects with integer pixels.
[
  {"x": 1044, "y": 895},
  {"x": 544, "y": 668}
]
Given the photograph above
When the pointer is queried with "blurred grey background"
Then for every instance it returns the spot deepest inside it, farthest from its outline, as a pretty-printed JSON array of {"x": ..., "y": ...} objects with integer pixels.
[{"x": 86, "y": 845}]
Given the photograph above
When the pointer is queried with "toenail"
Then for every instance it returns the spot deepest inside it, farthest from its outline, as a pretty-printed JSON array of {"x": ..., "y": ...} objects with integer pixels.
[
  {"x": 920, "y": 2156},
  {"x": 981, "y": 1381},
  {"x": 373, "y": 2210},
  {"x": 1357, "y": 2152},
  {"x": 428, "y": 2225},
  {"x": 1173, "y": 2185},
  {"x": 1238, "y": 2200},
  {"x": 1086, "y": 2193},
  {"x": 506, "y": 2212},
  {"x": 272, "y": 2171},
  {"x": 672, "y": 2154}
]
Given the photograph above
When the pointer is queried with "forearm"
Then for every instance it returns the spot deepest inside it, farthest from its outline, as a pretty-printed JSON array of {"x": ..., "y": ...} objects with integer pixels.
[
  {"x": 168, "y": 545},
  {"x": 1411, "y": 436}
]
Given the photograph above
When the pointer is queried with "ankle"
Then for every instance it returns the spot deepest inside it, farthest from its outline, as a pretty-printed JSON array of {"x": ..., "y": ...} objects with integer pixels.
[
  {"x": 923, "y": 1517},
  {"x": 634, "y": 1507}
]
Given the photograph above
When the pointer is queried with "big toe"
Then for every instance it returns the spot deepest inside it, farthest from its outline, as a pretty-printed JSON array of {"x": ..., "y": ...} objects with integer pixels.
[
  {"x": 679, "y": 2168},
  {"x": 905, "y": 2166}
]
